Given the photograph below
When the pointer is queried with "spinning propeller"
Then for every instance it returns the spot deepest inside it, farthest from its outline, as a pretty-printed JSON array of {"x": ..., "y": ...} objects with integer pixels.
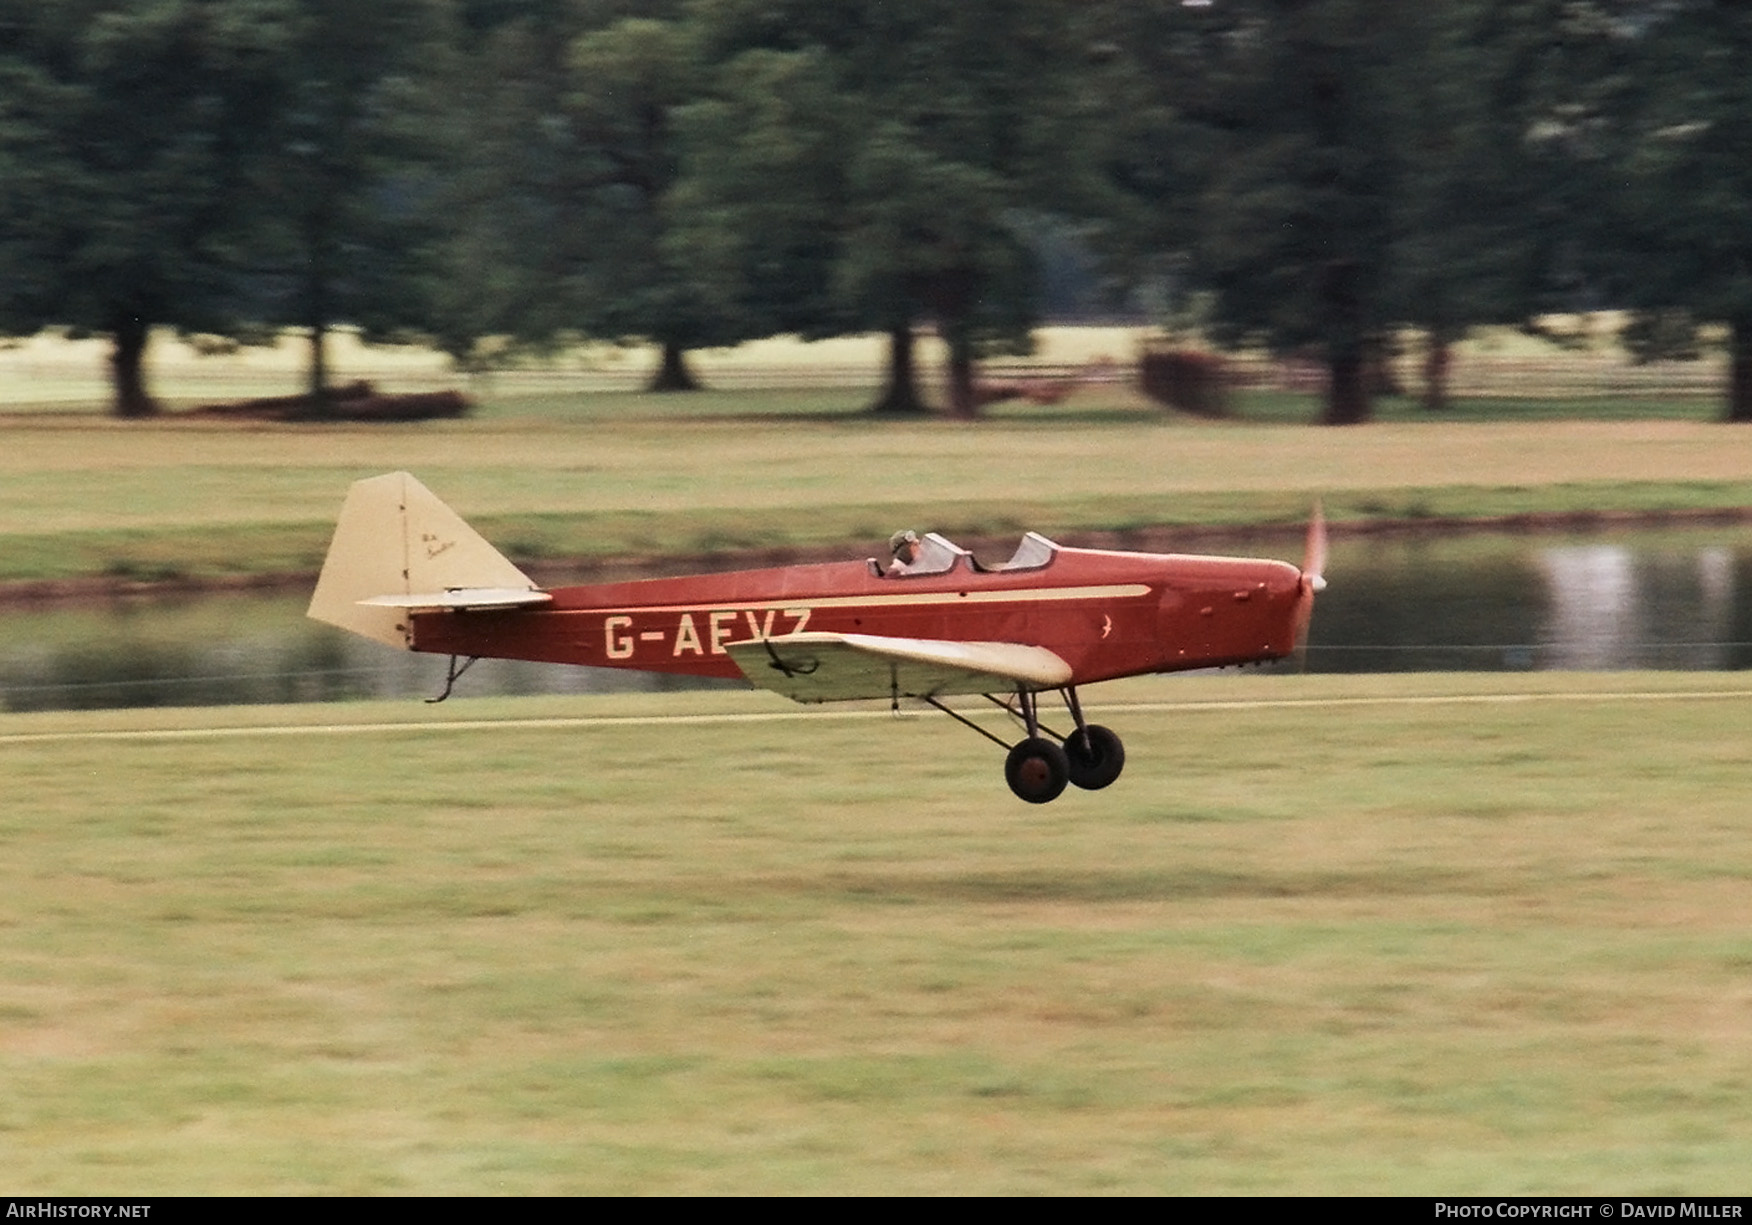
[
  {"x": 1313, "y": 579},
  {"x": 1314, "y": 559}
]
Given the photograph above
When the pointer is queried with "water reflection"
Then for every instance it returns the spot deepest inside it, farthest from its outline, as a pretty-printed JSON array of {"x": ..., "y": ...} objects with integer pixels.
[
  {"x": 233, "y": 649},
  {"x": 1498, "y": 601},
  {"x": 1479, "y": 602}
]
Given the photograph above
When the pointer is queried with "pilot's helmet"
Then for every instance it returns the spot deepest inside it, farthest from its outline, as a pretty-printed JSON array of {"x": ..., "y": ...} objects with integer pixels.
[{"x": 901, "y": 539}]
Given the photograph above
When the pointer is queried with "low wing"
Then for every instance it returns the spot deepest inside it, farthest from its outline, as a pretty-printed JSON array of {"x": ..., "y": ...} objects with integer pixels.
[
  {"x": 819, "y": 667},
  {"x": 462, "y": 598}
]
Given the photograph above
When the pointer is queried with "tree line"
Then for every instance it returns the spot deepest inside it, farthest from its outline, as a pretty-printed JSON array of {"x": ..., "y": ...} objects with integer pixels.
[{"x": 1315, "y": 176}]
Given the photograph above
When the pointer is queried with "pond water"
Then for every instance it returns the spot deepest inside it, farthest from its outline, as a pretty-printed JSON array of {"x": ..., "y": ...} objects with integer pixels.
[
  {"x": 1677, "y": 600},
  {"x": 1434, "y": 602}
]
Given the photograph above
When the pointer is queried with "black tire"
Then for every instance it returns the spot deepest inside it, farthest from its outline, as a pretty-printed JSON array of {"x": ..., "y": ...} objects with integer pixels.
[
  {"x": 1095, "y": 758},
  {"x": 1037, "y": 770}
]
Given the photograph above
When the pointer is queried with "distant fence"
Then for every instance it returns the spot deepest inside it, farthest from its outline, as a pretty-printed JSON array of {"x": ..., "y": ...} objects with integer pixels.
[
  {"x": 1488, "y": 375},
  {"x": 633, "y": 377},
  {"x": 1471, "y": 374},
  {"x": 736, "y": 375}
]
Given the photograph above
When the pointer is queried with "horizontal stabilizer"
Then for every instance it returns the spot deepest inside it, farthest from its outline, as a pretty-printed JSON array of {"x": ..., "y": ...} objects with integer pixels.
[
  {"x": 462, "y": 598},
  {"x": 821, "y": 667}
]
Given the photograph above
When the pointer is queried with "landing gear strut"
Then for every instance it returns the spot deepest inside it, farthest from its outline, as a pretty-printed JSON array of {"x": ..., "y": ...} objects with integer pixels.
[
  {"x": 1037, "y": 767},
  {"x": 1095, "y": 752}
]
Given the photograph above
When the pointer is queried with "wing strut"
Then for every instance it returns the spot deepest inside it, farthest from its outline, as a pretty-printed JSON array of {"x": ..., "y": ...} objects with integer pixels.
[
  {"x": 966, "y": 722},
  {"x": 1028, "y": 712}
]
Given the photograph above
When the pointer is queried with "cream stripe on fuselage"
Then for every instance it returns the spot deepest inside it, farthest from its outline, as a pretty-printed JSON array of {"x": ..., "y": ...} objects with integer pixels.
[{"x": 1116, "y": 591}]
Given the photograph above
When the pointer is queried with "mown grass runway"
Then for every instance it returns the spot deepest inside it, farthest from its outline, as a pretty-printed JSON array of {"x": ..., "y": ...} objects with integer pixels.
[
  {"x": 184, "y": 500},
  {"x": 1383, "y": 934}
]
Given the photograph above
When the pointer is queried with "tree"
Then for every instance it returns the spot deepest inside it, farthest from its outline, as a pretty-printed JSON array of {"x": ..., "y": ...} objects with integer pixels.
[
  {"x": 520, "y": 186},
  {"x": 507, "y": 252},
  {"x": 1686, "y": 204},
  {"x": 1154, "y": 74},
  {"x": 126, "y": 134},
  {"x": 345, "y": 226},
  {"x": 766, "y": 205},
  {"x": 569, "y": 182},
  {"x": 705, "y": 174},
  {"x": 1497, "y": 213},
  {"x": 628, "y": 81},
  {"x": 946, "y": 119},
  {"x": 1329, "y": 170},
  {"x": 762, "y": 191},
  {"x": 1298, "y": 212},
  {"x": 1459, "y": 220}
]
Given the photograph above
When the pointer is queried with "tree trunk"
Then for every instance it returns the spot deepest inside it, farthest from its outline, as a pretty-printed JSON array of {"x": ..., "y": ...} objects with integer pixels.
[
  {"x": 128, "y": 367},
  {"x": 962, "y": 403},
  {"x": 320, "y": 259},
  {"x": 1438, "y": 356},
  {"x": 1348, "y": 345},
  {"x": 1347, "y": 387},
  {"x": 672, "y": 373},
  {"x": 1740, "y": 370},
  {"x": 1382, "y": 373},
  {"x": 900, "y": 398},
  {"x": 317, "y": 394}
]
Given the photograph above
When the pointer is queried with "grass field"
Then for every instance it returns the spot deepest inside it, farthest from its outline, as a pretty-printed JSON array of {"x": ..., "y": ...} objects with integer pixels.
[
  {"x": 186, "y": 499},
  {"x": 1463, "y": 934},
  {"x": 1459, "y": 934},
  {"x": 569, "y": 474}
]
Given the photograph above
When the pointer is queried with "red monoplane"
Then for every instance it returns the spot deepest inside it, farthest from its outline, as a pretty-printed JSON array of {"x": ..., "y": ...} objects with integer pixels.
[{"x": 404, "y": 569}]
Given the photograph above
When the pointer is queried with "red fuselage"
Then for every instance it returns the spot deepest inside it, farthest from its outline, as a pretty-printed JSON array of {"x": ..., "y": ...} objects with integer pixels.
[{"x": 1107, "y": 614}]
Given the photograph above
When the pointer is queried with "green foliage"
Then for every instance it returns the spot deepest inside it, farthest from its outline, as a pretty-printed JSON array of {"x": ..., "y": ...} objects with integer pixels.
[
  {"x": 215, "y": 165},
  {"x": 1305, "y": 140},
  {"x": 1336, "y": 170},
  {"x": 1313, "y": 175},
  {"x": 129, "y": 129},
  {"x": 568, "y": 205},
  {"x": 1684, "y": 219},
  {"x": 911, "y": 137},
  {"x": 1661, "y": 334},
  {"x": 759, "y": 211},
  {"x": 1487, "y": 220},
  {"x": 347, "y": 185},
  {"x": 627, "y": 81}
]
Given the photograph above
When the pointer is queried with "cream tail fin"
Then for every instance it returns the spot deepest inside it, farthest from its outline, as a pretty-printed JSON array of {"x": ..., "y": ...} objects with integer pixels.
[{"x": 396, "y": 539}]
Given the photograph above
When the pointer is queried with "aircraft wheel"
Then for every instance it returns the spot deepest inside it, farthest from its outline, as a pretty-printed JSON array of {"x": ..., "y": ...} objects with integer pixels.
[
  {"x": 1096, "y": 758},
  {"x": 1037, "y": 770}
]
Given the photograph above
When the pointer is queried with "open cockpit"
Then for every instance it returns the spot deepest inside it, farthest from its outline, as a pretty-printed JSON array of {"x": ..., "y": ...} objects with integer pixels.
[{"x": 935, "y": 555}]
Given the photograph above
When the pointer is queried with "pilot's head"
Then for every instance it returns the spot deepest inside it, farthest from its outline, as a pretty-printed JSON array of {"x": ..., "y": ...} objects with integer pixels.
[{"x": 904, "y": 545}]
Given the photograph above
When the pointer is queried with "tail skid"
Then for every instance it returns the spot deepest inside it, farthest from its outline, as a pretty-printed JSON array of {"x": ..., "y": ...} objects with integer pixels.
[{"x": 397, "y": 548}]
